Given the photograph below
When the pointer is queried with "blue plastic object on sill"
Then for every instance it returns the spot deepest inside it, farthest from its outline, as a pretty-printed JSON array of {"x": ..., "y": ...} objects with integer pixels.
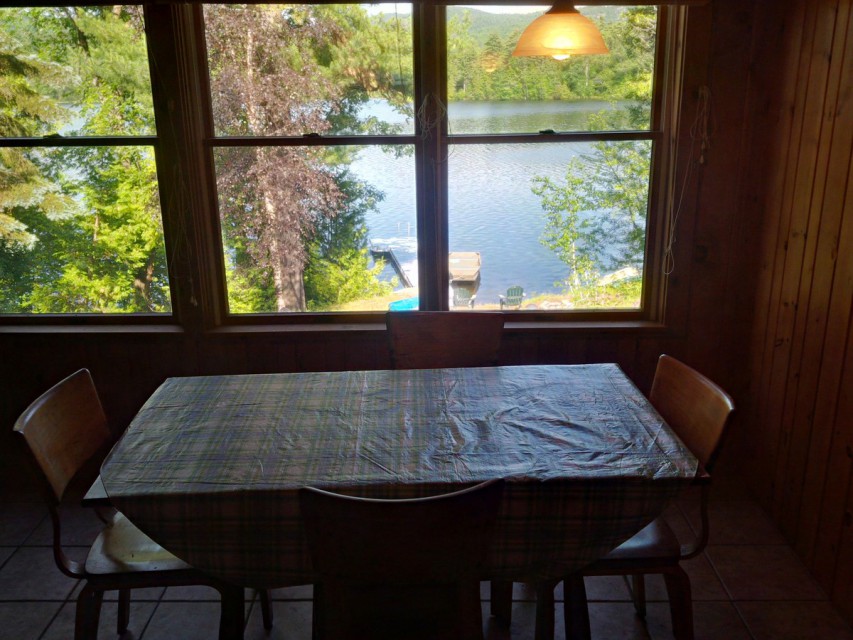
[{"x": 406, "y": 304}]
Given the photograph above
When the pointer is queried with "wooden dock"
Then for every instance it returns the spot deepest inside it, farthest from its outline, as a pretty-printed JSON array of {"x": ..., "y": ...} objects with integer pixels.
[{"x": 387, "y": 254}]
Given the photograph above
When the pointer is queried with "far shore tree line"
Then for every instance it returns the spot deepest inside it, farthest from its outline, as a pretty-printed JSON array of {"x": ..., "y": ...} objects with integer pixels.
[{"x": 81, "y": 229}]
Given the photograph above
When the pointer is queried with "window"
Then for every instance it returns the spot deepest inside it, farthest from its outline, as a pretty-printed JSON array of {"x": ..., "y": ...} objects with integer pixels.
[
  {"x": 330, "y": 159},
  {"x": 80, "y": 224}
]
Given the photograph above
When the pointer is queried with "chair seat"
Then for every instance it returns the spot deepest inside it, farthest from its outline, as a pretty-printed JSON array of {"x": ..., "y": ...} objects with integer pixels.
[
  {"x": 122, "y": 548},
  {"x": 655, "y": 541}
]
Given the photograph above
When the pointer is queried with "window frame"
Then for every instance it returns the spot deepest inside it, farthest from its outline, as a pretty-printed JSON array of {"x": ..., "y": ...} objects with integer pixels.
[{"x": 184, "y": 145}]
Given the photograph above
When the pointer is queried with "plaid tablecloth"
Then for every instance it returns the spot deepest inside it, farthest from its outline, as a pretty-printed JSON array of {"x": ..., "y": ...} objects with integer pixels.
[{"x": 210, "y": 466}]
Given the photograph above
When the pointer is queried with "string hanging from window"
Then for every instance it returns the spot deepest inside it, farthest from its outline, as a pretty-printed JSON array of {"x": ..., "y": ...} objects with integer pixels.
[{"x": 701, "y": 132}]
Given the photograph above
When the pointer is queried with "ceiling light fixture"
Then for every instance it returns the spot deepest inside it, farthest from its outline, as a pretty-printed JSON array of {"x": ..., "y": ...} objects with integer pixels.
[{"x": 559, "y": 33}]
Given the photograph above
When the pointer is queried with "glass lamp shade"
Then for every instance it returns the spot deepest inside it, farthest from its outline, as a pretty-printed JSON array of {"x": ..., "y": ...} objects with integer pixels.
[{"x": 560, "y": 33}]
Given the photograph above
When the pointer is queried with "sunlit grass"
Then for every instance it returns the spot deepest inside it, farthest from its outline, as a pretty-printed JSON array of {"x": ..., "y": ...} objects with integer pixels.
[{"x": 618, "y": 295}]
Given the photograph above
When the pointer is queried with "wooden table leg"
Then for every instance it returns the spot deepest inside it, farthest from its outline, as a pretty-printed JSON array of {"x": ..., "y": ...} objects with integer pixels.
[
  {"x": 233, "y": 616},
  {"x": 501, "y": 601}
]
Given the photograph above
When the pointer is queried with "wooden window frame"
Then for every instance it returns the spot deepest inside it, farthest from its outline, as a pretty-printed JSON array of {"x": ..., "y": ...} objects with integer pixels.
[{"x": 184, "y": 155}]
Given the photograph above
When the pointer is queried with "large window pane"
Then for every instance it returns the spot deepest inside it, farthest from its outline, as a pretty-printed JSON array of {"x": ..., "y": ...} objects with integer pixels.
[
  {"x": 317, "y": 229},
  {"x": 81, "y": 232},
  {"x": 74, "y": 71},
  {"x": 490, "y": 91},
  {"x": 565, "y": 222},
  {"x": 80, "y": 227},
  {"x": 292, "y": 70}
]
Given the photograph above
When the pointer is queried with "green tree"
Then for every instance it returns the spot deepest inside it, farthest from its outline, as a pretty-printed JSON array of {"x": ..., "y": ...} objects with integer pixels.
[{"x": 101, "y": 249}]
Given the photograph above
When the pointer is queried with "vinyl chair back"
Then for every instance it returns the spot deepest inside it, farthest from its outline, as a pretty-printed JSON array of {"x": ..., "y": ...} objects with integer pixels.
[
  {"x": 438, "y": 339},
  {"x": 62, "y": 452},
  {"x": 399, "y": 568},
  {"x": 61, "y": 431},
  {"x": 696, "y": 408}
]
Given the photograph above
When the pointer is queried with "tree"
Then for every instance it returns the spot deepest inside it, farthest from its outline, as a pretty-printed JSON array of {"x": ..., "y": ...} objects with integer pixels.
[{"x": 95, "y": 238}]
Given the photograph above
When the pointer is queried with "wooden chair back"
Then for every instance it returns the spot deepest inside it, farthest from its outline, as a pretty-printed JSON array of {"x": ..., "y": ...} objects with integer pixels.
[
  {"x": 696, "y": 408},
  {"x": 400, "y": 568},
  {"x": 437, "y": 339},
  {"x": 64, "y": 428}
]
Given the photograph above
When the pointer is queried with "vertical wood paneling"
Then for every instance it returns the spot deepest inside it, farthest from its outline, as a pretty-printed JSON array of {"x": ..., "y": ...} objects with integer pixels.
[
  {"x": 800, "y": 26},
  {"x": 829, "y": 315},
  {"x": 803, "y": 351},
  {"x": 807, "y": 335}
]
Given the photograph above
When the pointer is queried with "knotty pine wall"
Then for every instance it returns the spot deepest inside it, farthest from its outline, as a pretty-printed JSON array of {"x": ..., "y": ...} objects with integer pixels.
[
  {"x": 756, "y": 301},
  {"x": 798, "y": 422}
]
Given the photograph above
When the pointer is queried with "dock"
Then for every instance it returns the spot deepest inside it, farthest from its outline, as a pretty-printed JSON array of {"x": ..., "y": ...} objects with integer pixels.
[
  {"x": 386, "y": 253},
  {"x": 464, "y": 267}
]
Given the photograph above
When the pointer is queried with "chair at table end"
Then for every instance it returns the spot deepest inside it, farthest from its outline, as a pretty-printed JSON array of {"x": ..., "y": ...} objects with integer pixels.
[
  {"x": 410, "y": 569},
  {"x": 60, "y": 432},
  {"x": 436, "y": 339}
]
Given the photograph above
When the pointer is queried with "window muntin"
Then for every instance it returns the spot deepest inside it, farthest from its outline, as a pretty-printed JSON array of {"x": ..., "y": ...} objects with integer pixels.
[{"x": 80, "y": 224}]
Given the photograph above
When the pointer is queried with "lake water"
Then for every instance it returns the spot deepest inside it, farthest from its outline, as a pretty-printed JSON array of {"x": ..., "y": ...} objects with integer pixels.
[{"x": 492, "y": 209}]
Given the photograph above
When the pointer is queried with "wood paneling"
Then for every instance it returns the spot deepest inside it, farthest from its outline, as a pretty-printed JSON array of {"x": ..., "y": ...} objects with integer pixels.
[{"x": 798, "y": 417}]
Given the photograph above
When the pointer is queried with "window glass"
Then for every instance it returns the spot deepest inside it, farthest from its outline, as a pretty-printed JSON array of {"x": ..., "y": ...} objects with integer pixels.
[
  {"x": 490, "y": 91},
  {"x": 564, "y": 222},
  {"x": 326, "y": 226},
  {"x": 291, "y": 70},
  {"x": 317, "y": 228},
  {"x": 80, "y": 224}
]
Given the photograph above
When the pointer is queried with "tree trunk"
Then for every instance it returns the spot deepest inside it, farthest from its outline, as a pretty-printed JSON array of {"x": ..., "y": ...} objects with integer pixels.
[{"x": 286, "y": 265}]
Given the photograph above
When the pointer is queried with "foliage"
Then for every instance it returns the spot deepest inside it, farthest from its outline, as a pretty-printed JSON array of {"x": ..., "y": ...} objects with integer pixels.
[{"x": 80, "y": 227}]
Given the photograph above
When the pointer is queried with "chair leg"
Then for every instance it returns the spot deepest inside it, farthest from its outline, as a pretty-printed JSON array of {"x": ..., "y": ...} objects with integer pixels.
[
  {"x": 266, "y": 607},
  {"x": 575, "y": 611},
  {"x": 680, "y": 603},
  {"x": 501, "y": 601},
  {"x": 638, "y": 590},
  {"x": 545, "y": 611},
  {"x": 88, "y": 613},
  {"x": 232, "y": 617},
  {"x": 123, "y": 611}
]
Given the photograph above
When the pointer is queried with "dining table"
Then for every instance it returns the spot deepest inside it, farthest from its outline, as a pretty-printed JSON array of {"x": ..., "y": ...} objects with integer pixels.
[{"x": 211, "y": 466}]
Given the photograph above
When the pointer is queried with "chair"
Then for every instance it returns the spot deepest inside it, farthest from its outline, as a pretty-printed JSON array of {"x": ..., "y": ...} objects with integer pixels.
[
  {"x": 62, "y": 430},
  {"x": 513, "y": 298},
  {"x": 698, "y": 411},
  {"x": 435, "y": 339},
  {"x": 399, "y": 569},
  {"x": 463, "y": 297}
]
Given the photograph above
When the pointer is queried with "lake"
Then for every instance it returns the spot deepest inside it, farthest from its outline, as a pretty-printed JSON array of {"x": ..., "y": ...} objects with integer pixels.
[{"x": 492, "y": 209}]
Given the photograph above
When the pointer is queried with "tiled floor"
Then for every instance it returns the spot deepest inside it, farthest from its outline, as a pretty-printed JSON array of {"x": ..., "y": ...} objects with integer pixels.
[{"x": 748, "y": 584}]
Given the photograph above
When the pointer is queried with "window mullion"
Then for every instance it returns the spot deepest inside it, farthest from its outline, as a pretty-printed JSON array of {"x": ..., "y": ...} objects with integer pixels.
[
  {"x": 176, "y": 47},
  {"x": 431, "y": 154}
]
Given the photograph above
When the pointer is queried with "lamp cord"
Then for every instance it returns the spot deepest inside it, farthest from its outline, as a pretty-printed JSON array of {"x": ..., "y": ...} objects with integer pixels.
[{"x": 701, "y": 131}]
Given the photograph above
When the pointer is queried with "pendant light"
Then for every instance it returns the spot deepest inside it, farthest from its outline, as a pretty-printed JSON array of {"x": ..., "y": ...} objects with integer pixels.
[{"x": 559, "y": 33}]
